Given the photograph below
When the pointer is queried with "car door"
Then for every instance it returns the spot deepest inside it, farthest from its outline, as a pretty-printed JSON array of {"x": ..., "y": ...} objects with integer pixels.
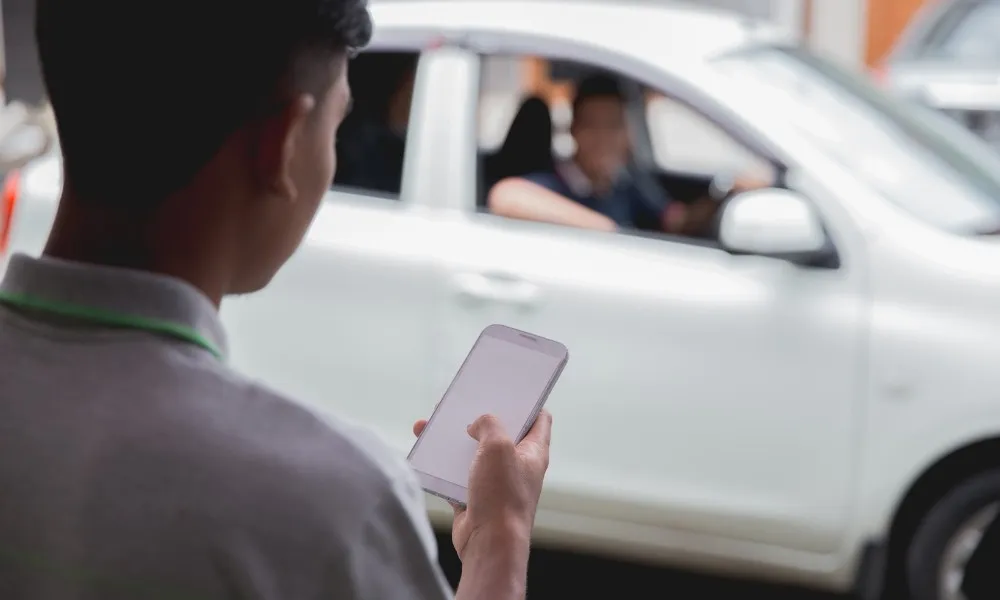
[
  {"x": 345, "y": 326},
  {"x": 706, "y": 393}
]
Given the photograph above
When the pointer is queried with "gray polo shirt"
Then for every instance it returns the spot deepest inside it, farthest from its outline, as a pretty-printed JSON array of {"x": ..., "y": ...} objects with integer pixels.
[{"x": 134, "y": 465}]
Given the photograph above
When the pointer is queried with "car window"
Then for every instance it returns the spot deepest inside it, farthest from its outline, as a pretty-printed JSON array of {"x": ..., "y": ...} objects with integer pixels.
[
  {"x": 967, "y": 33},
  {"x": 685, "y": 141},
  {"x": 918, "y": 160},
  {"x": 575, "y": 130},
  {"x": 371, "y": 142}
]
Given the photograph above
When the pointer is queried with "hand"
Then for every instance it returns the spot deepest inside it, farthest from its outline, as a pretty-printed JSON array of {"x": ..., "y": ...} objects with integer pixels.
[
  {"x": 674, "y": 218},
  {"x": 745, "y": 183},
  {"x": 700, "y": 216},
  {"x": 505, "y": 481},
  {"x": 689, "y": 220}
]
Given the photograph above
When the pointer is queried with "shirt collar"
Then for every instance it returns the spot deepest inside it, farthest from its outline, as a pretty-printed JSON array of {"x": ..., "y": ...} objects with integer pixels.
[
  {"x": 117, "y": 290},
  {"x": 574, "y": 177},
  {"x": 578, "y": 182}
]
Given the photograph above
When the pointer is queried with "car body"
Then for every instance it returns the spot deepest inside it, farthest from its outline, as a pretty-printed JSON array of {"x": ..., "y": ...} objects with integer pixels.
[
  {"x": 949, "y": 59},
  {"x": 790, "y": 403}
]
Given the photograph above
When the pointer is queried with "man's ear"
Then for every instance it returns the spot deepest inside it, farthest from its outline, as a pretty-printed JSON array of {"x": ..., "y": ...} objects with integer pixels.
[{"x": 279, "y": 140}]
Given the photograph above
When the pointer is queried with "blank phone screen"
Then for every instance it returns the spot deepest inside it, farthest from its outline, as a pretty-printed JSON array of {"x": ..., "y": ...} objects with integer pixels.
[{"x": 498, "y": 378}]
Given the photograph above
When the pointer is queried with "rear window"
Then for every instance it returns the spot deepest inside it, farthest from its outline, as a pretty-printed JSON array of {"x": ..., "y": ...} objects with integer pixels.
[{"x": 966, "y": 32}]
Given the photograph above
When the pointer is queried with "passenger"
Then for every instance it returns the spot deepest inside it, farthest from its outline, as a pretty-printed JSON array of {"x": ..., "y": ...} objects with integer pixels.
[
  {"x": 371, "y": 154},
  {"x": 594, "y": 190}
]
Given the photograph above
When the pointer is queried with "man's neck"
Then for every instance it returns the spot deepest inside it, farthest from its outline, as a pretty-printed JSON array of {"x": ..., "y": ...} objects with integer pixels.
[
  {"x": 598, "y": 185},
  {"x": 100, "y": 237}
]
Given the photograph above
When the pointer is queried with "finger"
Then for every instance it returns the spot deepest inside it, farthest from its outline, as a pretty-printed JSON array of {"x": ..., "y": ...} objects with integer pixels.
[
  {"x": 458, "y": 508},
  {"x": 418, "y": 427},
  {"x": 541, "y": 431},
  {"x": 485, "y": 428}
]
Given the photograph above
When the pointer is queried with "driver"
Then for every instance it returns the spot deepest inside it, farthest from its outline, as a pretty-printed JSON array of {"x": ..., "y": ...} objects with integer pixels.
[{"x": 594, "y": 189}]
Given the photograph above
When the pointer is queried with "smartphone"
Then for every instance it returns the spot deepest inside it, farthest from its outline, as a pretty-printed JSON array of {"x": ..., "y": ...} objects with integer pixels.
[{"x": 507, "y": 374}]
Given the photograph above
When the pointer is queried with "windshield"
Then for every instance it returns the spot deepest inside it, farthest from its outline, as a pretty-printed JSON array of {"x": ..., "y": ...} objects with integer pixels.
[
  {"x": 915, "y": 157},
  {"x": 967, "y": 33}
]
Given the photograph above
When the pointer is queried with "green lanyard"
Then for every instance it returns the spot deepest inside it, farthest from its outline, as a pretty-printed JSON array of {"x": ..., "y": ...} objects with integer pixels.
[{"x": 107, "y": 318}]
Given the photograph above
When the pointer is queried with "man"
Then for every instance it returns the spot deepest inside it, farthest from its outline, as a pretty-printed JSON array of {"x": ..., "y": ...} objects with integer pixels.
[
  {"x": 197, "y": 143},
  {"x": 594, "y": 190}
]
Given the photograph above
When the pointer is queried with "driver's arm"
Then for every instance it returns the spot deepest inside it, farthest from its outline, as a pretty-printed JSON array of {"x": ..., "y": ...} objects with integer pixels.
[
  {"x": 519, "y": 198},
  {"x": 695, "y": 220}
]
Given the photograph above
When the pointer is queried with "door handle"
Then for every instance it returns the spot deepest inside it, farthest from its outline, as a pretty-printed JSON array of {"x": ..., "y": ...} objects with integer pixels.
[{"x": 496, "y": 287}]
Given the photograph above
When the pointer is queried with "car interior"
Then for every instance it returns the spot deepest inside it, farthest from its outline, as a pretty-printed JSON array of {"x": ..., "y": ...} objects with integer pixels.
[
  {"x": 370, "y": 155},
  {"x": 370, "y": 147},
  {"x": 528, "y": 147}
]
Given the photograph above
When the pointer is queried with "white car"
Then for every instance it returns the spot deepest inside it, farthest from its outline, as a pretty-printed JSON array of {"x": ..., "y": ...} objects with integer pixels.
[{"x": 813, "y": 397}]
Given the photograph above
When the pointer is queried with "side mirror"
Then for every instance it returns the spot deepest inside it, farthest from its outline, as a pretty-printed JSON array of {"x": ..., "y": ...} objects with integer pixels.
[{"x": 776, "y": 223}]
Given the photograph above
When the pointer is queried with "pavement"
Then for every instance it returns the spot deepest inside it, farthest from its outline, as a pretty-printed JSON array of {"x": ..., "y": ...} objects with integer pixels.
[{"x": 556, "y": 575}]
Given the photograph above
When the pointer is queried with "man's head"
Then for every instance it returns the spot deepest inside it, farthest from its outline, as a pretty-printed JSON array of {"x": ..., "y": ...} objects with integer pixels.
[
  {"x": 599, "y": 126},
  {"x": 218, "y": 114}
]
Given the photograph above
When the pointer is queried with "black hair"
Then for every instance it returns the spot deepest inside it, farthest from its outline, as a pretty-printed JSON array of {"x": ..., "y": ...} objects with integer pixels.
[
  {"x": 597, "y": 86},
  {"x": 145, "y": 93}
]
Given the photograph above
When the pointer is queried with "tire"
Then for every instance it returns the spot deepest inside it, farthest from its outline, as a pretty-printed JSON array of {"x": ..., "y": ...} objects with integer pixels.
[{"x": 973, "y": 499}]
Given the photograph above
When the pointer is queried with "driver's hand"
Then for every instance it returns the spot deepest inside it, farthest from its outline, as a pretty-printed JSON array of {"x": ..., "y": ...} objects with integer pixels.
[
  {"x": 505, "y": 481},
  {"x": 690, "y": 220},
  {"x": 674, "y": 218},
  {"x": 700, "y": 216}
]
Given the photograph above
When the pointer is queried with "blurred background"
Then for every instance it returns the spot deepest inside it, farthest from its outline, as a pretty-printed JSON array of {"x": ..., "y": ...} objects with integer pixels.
[{"x": 859, "y": 33}]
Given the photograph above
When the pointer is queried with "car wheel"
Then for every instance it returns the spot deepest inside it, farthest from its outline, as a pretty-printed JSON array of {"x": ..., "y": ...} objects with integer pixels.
[{"x": 948, "y": 535}]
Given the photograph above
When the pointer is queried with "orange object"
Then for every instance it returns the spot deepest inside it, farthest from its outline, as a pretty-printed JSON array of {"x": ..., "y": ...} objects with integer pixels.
[
  {"x": 886, "y": 20},
  {"x": 8, "y": 199},
  {"x": 536, "y": 76}
]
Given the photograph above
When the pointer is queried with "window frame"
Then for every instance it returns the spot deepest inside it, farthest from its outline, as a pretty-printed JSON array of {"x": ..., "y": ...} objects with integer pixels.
[
  {"x": 776, "y": 167},
  {"x": 412, "y": 41},
  {"x": 644, "y": 75}
]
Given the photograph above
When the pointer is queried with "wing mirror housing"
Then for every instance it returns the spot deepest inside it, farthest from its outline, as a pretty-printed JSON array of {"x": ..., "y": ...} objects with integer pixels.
[{"x": 779, "y": 224}]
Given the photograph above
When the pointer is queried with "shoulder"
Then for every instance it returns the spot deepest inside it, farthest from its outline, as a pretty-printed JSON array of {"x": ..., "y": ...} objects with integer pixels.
[
  {"x": 297, "y": 483},
  {"x": 328, "y": 450},
  {"x": 354, "y": 487},
  {"x": 546, "y": 179},
  {"x": 309, "y": 471}
]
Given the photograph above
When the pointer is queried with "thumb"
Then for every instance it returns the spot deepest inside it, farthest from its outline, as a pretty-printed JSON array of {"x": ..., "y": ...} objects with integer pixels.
[{"x": 485, "y": 428}]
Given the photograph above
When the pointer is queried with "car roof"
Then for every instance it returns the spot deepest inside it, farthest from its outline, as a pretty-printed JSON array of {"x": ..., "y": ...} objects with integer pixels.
[{"x": 669, "y": 31}]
